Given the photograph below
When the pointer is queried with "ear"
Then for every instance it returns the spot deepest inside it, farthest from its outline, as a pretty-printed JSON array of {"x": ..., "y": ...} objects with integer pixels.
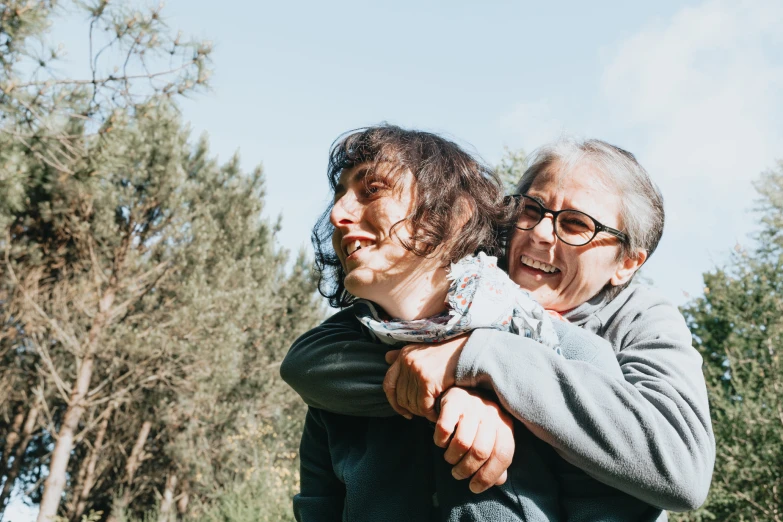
[
  {"x": 628, "y": 267},
  {"x": 464, "y": 210}
]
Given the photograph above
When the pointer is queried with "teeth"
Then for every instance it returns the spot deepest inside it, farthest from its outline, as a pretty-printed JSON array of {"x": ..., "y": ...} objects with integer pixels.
[
  {"x": 353, "y": 247},
  {"x": 356, "y": 245},
  {"x": 538, "y": 265}
]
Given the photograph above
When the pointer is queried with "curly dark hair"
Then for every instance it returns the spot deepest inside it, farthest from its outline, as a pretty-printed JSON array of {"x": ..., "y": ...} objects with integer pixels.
[{"x": 447, "y": 181}]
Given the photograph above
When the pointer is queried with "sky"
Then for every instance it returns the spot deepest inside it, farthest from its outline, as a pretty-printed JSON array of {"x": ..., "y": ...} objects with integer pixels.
[{"x": 692, "y": 88}]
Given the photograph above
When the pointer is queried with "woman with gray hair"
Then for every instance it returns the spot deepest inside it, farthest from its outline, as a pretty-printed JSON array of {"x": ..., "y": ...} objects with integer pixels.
[{"x": 588, "y": 217}]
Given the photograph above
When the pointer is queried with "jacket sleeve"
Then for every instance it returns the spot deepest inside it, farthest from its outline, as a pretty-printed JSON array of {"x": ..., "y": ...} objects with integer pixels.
[
  {"x": 338, "y": 368},
  {"x": 647, "y": 434},
  {"x": 322, "y": 495}
]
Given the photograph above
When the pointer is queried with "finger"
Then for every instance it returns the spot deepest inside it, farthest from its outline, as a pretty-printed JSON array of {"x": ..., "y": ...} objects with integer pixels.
[
  {"x": 446, "y": 424},
  {"x": 462, "y": 440},
  {"x": 403, "y": 384},
  {"x": 391, "y": 356},
  {"x": 413, "y": 394},
  {"x": 477, "y": 455},
  {"x": 494, "y": 470},
  {"x": 427, "y": 408},
  {"x": 425, "y": 402},
  {"x": 390, "y": 389}
]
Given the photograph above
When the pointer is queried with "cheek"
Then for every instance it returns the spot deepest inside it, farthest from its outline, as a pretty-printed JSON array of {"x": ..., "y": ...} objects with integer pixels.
[
  {"x": 593, "y": 272},
  {"x": 336, "y": 239},
  {"x": 512, "y": 253}
]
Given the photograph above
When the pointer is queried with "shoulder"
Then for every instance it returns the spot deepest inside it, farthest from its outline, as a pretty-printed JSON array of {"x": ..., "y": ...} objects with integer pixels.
[
  {"x": 344, "y": 320},
  {"x": 640, "y": 312},
  {"x": 342, "y": 326}
]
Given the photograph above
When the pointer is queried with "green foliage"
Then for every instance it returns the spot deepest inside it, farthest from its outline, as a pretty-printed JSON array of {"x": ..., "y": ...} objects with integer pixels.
[
  {"x": 510, "y": 169},
  {"x": 135, "y": 264},
  {"x": 770, "y": 206},
  {"x": 738, "y": 327},
  {"x": 263, "y": 498}
]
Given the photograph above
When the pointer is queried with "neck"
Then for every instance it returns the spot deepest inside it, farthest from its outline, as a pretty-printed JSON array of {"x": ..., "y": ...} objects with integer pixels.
[{"x": 420, "y": 297}]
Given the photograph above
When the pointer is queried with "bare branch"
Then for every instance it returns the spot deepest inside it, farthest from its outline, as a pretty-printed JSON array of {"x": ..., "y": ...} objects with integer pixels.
[
  {"x": 63, "y": 387},
  {"x": 102, "y": 81},
  {"x": 75, "y": 345}
]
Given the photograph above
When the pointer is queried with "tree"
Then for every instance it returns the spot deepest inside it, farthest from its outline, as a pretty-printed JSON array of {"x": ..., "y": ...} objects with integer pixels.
[
  {"x": 144, "y": 300},
  {"x": 738, "y": 327},
  {"x": 511, "y": 167}
]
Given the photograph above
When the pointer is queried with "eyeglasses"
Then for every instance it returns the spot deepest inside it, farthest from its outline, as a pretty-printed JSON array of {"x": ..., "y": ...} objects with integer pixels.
[{"x": 572, "y": 227}]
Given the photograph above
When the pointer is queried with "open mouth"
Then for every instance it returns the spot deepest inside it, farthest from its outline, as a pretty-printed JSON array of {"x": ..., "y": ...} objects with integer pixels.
[
  {"x": 356, "y": 245},
  {"x": 538, "y": 265}
]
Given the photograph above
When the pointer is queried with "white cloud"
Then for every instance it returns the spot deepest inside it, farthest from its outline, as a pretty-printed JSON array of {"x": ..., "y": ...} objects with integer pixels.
[
  {"x": 697, "y": 97},
  {"x": 533, "y": 123},
  {"x": 703, "y": 92}
]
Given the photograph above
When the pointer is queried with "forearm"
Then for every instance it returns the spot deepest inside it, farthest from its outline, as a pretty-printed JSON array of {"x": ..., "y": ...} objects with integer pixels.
[
  {"x": 335, "y": 367},
  {"x": 647, "y": 434}
]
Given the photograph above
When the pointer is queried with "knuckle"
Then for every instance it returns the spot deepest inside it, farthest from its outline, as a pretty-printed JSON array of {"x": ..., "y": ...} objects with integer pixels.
[
  {"x": 441, "y": 424},
  {"x": 407, "y": 353},
  {"x": 460, "y": 445},
  {"x": 504, "y": 457},
  {"x": 481, "y": 453},
  {"x": 415, "y": 365},
  {"x": 479, "y": 481}
]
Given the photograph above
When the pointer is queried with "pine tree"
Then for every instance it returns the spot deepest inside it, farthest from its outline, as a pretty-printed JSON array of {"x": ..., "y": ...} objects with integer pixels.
[
  {"x": 738, "y": 327},
  {"x": 145, "y": 302},
  {"x": 511, "y": 167}
]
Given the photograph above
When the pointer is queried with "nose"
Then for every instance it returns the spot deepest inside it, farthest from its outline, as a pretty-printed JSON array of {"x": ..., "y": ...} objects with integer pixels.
[
  {"x": 544, "y": 231},
  {"x": 345, "y": 210}
]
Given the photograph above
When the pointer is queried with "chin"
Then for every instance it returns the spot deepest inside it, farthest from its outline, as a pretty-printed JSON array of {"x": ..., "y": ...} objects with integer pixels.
[
  {"x": 357, "y": 287},
  {"x": 544, "y": 298}
]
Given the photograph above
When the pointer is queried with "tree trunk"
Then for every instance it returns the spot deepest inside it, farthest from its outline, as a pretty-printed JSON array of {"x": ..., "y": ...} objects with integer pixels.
[
  {"x": 168, "y": 498},
  {"x": 21, "y": 447},
  {"x": 55, "y": 482},
  {"x": 58, "y": 466},
  {"x": 10, "y": 442},
  {"x": 89, "y": 477},
  {"x": 134, "y": 461},
  {"x": 183, "y": 500},
  {"x": 76, "y": 486},
  {"x": 137, "y": 453}
]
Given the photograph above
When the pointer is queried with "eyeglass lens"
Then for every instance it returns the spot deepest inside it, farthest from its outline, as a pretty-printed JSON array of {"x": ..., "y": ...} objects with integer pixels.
[{"x": 571, "y": 226}]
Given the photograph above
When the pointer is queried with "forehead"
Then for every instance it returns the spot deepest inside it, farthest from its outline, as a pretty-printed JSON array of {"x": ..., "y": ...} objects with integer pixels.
[
  {"x": 581, "y": 187},
  {"x": 352, "y": 174},
  {"x": 392, "y": 174}
]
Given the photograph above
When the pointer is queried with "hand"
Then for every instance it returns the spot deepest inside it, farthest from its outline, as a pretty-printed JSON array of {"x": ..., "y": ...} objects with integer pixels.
[
  {"x": 481, "y": 438},
  {"x": 556, "y": 316},
  {"x": 419, "y": 373}
]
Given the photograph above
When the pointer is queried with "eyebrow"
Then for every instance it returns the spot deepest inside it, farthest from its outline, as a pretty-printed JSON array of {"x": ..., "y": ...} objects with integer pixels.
[
  {"x": 536, "y": 199},
  {"x": 357, "y": 176}
]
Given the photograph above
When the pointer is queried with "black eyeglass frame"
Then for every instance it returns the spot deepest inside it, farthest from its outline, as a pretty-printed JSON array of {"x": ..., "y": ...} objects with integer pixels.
[{"x": 599, "y": 227}]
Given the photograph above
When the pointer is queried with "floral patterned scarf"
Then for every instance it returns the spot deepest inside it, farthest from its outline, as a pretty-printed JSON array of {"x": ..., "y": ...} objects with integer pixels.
[{"x": 480, "y": 296}]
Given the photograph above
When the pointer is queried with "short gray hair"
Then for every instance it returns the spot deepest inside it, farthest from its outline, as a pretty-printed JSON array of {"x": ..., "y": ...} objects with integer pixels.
[{"x": 641, "y": 212}]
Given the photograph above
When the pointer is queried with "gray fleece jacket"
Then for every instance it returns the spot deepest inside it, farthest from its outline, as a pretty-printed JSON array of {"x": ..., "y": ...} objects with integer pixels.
[{"x": 648, "y": 435}]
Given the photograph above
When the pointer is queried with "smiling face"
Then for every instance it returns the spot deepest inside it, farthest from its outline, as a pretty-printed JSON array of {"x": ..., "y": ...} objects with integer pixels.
[
  {"x": 560, "y": 276},
  {"x": 369, "y": 219}
]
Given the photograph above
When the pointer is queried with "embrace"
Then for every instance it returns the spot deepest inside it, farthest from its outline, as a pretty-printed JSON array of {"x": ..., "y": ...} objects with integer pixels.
[{"x": 491, "y": 359}]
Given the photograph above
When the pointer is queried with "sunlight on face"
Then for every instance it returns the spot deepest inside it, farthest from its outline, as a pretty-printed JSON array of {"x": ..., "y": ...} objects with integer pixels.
[
  {"x": 560, "y": 276},
  {"x": 369, "y": 218}
]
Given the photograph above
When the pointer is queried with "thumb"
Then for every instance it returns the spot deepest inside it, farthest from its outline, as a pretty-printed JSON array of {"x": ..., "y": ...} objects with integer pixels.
[
  {"x": 392, "y": 356},
  {"x": 390, "y": 389}
]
